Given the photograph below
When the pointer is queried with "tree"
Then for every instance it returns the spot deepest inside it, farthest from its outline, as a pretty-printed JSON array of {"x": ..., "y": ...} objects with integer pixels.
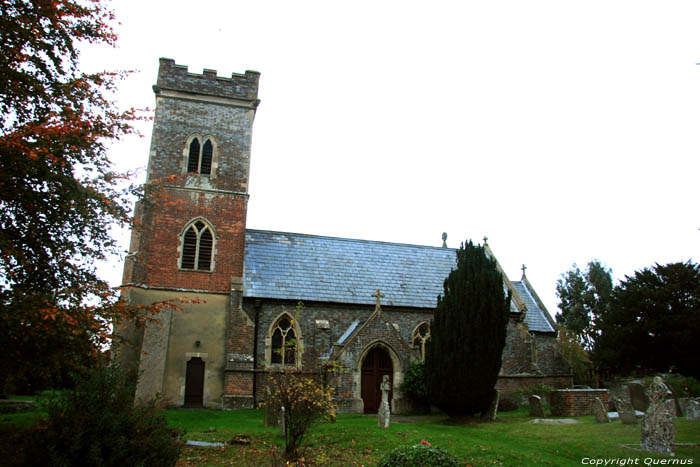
[
  {"x": 653, "y": 322},
  {"x": 582, "y": 298},
  {"x": 468, "y": 334},
  {"x": 59, "y": 196}
]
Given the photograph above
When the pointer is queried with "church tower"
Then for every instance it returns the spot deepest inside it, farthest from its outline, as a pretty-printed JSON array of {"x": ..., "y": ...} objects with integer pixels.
[{"x": 189, "y": 240}]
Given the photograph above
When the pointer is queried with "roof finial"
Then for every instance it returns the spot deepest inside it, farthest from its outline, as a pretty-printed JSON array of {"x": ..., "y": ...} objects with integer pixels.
[
  {"x": 378, "y": 306},
  {"x": 523, "y": 269},
  {"x": 444, "y": 239},
  {"x": 486, "y": 240}
]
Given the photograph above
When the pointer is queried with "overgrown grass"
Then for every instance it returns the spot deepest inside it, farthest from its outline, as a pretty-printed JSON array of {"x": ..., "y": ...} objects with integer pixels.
[{"x": 356, "y": 439}]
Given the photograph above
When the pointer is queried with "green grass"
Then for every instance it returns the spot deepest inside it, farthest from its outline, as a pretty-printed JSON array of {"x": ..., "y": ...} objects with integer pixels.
[{"x": 356, "y": 439}]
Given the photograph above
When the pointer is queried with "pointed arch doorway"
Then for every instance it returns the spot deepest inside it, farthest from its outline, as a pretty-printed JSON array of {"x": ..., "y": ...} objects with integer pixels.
[{"x": 376, "y": 364}]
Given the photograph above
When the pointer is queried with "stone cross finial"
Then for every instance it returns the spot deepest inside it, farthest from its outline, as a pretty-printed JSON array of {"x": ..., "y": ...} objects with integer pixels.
[
  {"x": 523, "y": 269},
  {"x": 444, "y": 239},
  {"x": 486, "y": 240},
  {"x": 379, "y": 295}
]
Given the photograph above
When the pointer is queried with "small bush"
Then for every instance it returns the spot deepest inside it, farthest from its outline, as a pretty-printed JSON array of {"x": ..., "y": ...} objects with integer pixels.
[
  {"x": 305, "y": 400},
  {"x": 97, "y": 424},
  {"x": 421, "y": 455}
]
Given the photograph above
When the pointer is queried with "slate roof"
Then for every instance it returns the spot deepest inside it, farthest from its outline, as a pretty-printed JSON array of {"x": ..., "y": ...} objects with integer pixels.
[
  {"x": 295, "y": 266},
  {"x": 535, "y": 316}
]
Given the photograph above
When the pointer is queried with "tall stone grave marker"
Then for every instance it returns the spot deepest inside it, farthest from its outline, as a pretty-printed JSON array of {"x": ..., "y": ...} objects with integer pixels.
[
  {"x": 658, "y": 430},
  {"x": 384, "y": 414}
]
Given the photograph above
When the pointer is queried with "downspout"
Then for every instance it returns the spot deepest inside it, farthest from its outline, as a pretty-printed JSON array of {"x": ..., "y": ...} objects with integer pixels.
[{"x": 258, "y": 307}]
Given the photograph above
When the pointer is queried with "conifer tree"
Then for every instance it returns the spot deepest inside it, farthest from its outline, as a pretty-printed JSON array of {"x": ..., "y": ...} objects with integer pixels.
[{"x": 468, "y": 334}]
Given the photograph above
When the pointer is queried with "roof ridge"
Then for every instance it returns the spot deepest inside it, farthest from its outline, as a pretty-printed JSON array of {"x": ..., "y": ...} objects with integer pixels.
[{"x": 346, "y": 239}]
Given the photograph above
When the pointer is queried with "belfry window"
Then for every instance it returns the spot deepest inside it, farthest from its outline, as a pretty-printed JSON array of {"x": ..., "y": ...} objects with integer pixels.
[
  {"x": 197, "y": 247},
  {"x": 283, "y": 343},
  {"x": 421, "y": 335},
  {"x": 200, "y": 157}
]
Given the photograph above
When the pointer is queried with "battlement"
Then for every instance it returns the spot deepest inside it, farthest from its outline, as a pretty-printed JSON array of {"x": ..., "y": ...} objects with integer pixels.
[{"x": 176, "y": 78}]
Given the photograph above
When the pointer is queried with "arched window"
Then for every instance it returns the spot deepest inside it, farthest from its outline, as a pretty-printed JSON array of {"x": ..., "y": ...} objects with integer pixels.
[
  {"x": 421, "y": 335},
  {"x": 200, "y": 158},
  {"x": 197, "y": 247},
  {"x": 283, "y": 342}
]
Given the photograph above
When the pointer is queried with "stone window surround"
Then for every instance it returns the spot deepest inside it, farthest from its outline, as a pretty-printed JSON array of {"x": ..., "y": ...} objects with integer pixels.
[
  {"x": 415, "y": 335},
  {"x": 181, "y": 241},
  {"x": 268, "y": 341},
  {"x": 214, "y": 156}
]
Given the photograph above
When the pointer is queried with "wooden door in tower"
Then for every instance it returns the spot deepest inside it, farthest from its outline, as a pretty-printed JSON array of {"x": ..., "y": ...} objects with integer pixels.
[
  {"x": 376, "y": 364},
  {"x": 194, "y": 383}
]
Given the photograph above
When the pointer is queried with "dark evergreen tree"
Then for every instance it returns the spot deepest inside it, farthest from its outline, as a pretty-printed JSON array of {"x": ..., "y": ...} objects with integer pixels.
[
  {"x": 653, "y": 322},
  {"x": 468, "y": 334}
]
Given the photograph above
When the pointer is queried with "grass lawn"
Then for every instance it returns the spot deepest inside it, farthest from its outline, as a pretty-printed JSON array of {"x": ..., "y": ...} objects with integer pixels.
[{"x": 356, "y": 440}]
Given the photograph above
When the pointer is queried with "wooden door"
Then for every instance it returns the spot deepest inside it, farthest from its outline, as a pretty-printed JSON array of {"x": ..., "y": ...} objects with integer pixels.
[
  {"x": 376, "y": 364},
  {"x": 194, "y": 383}
]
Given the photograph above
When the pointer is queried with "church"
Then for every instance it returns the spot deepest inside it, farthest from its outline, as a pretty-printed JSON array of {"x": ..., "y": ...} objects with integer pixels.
[{"x": 255, "y": 300}]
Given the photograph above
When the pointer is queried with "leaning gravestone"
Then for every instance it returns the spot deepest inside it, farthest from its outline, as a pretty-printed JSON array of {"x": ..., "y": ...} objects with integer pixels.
[
  {"x": 625, "y": 410},
  {"x": 536, "y": 408},
  {"x": 490, "y": 413},
  {"x": 638, "y": 396},
  {"x": 658, "y": 430},
  {"x": 599, "y": 410},
  {"x": 384, "y": 414}
]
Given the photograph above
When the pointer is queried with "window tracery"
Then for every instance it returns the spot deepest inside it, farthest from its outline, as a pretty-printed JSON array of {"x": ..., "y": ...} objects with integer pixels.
[{"x": 420, "y": 336}]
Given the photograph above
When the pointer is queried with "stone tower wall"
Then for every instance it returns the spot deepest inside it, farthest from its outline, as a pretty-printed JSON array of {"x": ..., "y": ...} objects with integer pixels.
[{"x": 222, "y": 110}]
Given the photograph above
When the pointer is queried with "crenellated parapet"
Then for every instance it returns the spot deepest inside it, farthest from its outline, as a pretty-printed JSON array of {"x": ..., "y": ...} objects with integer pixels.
[{"x": 173, "y": 77}]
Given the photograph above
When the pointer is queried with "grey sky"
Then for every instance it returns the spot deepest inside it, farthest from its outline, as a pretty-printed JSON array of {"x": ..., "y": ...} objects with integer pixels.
[{"x": 564, "y": 131}]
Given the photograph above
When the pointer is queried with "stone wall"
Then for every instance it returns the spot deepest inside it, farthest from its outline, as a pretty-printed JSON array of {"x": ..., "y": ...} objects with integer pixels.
[{"x": 575, "y": 402}]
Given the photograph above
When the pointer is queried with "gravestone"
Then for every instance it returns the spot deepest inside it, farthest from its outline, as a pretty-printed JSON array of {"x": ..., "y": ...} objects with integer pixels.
[
  {"x": 490, "y": 413},
  {"x": 599, "y": 410},
  {"x": 384, "y": 414},
  {"x": 658, "y": 430},
  {"x": 536, "y": 408},
  {"x": 638, "y": 396},
  {"x": 271, "y": 413},
  {"x": 625, "y": 410},
  {"x": 692, "y": 408},
  {"x": 283, "y": 422}
]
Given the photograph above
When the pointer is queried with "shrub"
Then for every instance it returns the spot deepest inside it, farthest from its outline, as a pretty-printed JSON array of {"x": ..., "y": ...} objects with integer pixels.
[
  {"x": 421, "y": 455},
  {"x": 304, "y": 399},
  {"x": 414, "y": 383},
  {"x": 96, "y": 423}
]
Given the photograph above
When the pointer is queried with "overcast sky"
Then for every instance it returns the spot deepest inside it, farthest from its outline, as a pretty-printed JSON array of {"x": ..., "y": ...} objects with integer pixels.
[{"x": 564, "y": 131}]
